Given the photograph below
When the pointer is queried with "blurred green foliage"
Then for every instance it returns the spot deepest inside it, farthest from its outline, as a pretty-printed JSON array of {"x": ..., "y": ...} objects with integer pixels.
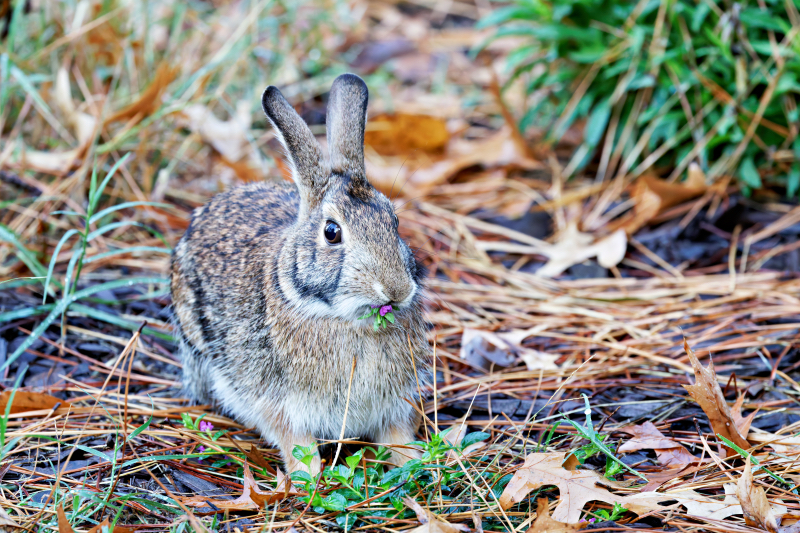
[{"x": 661, "y": 84}]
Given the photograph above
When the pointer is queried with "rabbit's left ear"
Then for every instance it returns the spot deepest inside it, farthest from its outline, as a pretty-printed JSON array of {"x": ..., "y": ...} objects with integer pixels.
[
  {"x": 345, "y": 124},
  {"x": 310, "y": 171}
]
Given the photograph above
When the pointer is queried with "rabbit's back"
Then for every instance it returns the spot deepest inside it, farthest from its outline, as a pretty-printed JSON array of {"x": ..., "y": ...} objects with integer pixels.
[{"x": 217, "y": 274}]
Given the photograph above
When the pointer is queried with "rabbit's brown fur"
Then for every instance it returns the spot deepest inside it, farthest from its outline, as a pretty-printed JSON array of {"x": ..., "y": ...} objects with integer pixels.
[{"x": 267, "y": 310}]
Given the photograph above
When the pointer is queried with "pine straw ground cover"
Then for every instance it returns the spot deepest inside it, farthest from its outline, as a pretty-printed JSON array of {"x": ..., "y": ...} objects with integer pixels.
[{"x": 560, "y": 401}]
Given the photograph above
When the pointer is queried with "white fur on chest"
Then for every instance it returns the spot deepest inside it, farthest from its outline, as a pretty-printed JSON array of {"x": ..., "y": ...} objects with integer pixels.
[{"x": 316, "y": 407}]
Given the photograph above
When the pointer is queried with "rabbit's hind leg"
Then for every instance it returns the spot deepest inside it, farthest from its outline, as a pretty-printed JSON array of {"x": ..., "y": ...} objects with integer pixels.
[{"x": 399, "y": 434}]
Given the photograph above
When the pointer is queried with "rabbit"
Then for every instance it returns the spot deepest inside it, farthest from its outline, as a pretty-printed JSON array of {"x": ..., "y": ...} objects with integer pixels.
[{"x": 270, "y": 279}]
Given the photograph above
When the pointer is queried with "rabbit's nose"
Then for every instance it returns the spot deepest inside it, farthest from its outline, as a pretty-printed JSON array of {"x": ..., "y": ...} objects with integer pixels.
[{"x": 398, "y": 291}]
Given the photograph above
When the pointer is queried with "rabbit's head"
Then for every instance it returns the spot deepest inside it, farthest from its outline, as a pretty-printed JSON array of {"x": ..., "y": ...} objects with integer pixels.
[{"x": 343, "y": 254}]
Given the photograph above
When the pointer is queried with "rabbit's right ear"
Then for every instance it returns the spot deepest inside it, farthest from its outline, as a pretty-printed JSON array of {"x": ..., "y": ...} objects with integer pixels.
[{"x": 310, "y": 170}]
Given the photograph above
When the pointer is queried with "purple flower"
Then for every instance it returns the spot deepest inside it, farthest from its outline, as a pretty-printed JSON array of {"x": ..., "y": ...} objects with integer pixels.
[
  {"x": 201, "y": 449},
  {"x": 206, "y": 426},
  {"x": 386, "y": 309},
  {"x": 375, "y": 306}
]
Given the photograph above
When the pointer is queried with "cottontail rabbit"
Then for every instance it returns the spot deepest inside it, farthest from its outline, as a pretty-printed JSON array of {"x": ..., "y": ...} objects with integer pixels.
[{"x": 270, "y": 280}]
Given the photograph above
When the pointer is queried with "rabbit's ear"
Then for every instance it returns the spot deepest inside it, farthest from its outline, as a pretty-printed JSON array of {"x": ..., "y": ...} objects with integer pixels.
[
  {"x": 310, "y": 171},
  {"x": 346, "y": 120}
]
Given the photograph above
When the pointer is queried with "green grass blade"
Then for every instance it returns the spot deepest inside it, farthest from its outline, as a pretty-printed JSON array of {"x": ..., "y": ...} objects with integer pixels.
[
  {"x": 99, "y": 191},
  {"x": 126, "y": 205},
  {"x": 53, "y": 260},
  {"x": 25, "y": 255},
  {"x": 132, "y": 249}
]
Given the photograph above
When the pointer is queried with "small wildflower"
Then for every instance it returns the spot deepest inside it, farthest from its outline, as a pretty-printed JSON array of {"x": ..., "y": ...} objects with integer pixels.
[
  {"x": 206, "y": 426},
  {"x": 591, "y": 520},
  {"x": 382, "y": 315}
]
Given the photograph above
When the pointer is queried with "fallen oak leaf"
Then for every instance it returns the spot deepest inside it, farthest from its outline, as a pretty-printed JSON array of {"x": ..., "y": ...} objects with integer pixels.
[
  {"x": 63, "y": 523},
  {"x": 431, "y": 523},
  {"x": 701, "y": 506},
  {"x": 647, "y": 437},
  {"x": 25, "y": 401},
  {"x": 571, "y": 248},
  {"x": 7, "y": 522},
  {"x": 482, "y": 348},
  {"x": 252, "y": 497},
  {"x": 742, "y": 423},
  {"x": 544, "y": 523},
  {"x": 755, "y": 505},
  {"x": 574, "y": 247},
  {"x": 105, "y": 526},
  {"x": 576, "y": 488},
  {"x": 405, "y": 133},
  {"x": 412, "y": 180},
  {"x": 654, "y": 195},
  {"x": 708, "y": 394}
]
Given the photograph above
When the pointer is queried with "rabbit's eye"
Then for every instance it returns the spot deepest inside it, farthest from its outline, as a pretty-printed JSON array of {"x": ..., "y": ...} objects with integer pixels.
[
  {"x": 333, "y": 232},
  {"x": 395, "y": 220}
]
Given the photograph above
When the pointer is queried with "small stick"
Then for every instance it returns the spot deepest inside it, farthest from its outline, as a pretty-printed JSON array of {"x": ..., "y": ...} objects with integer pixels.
[{"x": 346, "y": 408}]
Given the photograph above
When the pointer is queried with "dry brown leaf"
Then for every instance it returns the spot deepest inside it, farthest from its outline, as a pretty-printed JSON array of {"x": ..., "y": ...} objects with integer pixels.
[
  {"x": 654, "y": 195},
  {"x": 742, "y": 423},
  {"x": 482, "y": 348},
  {"x": 27, "y": 401},
  {"x": 63, "y": 522},
  {"x": 544, "y": 523},
  {"x": 150, "y": 99},
  {"x": 228, "y": 137},
  {"x": 574, "y": 247},
  {"x": 647, "y": 437},
  {"x": 82, "y": 124},
  {"x": 106, "y": 524},
  {"x": 576, "y": 488},
  {"x": 414, "y": 180},
  {"x": 431, "y": 523},
  {"x": 755, "y": 506},
  {"x": 406, "y": 134},
  {"x": 708, "y": 394},
  {"x": 51, "y": 162},
  {"x": 252, "y": 497},
  {"x": 701, "y": 506},
  {"x": 6, "y": 522}
]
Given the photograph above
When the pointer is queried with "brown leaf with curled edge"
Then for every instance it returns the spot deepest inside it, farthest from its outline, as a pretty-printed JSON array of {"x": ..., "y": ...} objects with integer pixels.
[
  {"x": 431, "y": 523},
  {"x": 544, "y": 523},
  {"x": 27, "y": 401},
  {"x": 755, "y": 506},
  {"x": 252, "y": 497},
  {"x": 742, "y": 422},
  {"x": 708, "y": 394},
  {"x": 150, "y": 99},
  {"x": 576, "y": 487},
  {"x": 654, "y": 195},
  {"x": 647, "y": 437},
  {"x": 406, "y": 133}
]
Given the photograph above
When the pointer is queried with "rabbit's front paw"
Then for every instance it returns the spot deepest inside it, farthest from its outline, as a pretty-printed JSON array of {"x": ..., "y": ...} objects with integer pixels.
[
  {"x": 313, "y": 468},
  {"x": 301, "y": 454}
]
